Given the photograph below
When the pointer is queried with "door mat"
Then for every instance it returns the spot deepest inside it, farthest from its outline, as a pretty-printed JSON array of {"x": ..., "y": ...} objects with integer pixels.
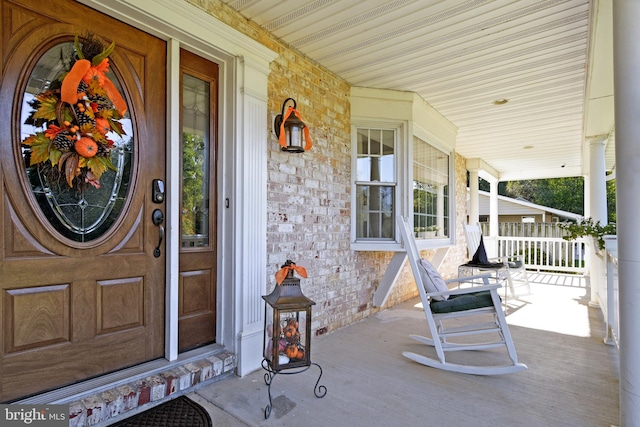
[{"x": 179, "y": 412}]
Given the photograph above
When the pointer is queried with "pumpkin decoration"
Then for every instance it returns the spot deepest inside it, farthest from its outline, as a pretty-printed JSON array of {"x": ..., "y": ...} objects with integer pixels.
[
  {"x": 290, "y": 343},
  {"x": 291, "y": 331},
  {"x": 288, "y": 332},
  {"x": 86, "y": 147},
  {"x": 77, "y": 111},
  {"x": 294, "y": 352},
  {"x": 291, "y": 352}
]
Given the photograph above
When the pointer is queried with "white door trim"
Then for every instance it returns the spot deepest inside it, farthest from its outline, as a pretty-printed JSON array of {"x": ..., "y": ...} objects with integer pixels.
[{"x": 242, "y": 259}]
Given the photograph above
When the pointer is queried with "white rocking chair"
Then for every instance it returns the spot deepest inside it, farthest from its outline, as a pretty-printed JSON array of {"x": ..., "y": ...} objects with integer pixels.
[
  {"x": 468, "y": 304},
  {"x": 510, "y": 268}
]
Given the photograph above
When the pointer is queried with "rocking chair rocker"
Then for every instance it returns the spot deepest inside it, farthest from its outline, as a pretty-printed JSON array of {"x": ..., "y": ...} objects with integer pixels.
[{"x": 441, "y": 303}]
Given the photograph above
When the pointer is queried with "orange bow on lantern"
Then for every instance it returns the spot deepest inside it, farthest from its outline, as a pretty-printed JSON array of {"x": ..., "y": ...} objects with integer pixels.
[
  {"x": 282, "y": 273},
  {"x": 283, "y": 139}
]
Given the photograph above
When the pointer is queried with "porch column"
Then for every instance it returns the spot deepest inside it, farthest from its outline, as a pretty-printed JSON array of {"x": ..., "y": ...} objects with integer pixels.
[
  {"x": 626, "y": 61},
  {"x": 491, "y": 241},
  {"x": 250, "y": 211},
  {"x": 493, "y": 208},
  {"x": 440, "y": 209},
  {"x": 598, "y": 212},
  {"x": 587, "y": 195},
  {"x": 474, "y": 188}
]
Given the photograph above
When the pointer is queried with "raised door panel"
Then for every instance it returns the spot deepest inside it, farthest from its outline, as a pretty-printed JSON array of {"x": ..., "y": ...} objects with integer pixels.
[
  {"x": 196, "y": 308},
  {"x": 36, "y": 317}
]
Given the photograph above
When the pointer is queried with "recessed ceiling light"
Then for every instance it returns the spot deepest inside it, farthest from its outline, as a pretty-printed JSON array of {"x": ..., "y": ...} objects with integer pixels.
[{"x": 500, "y": 101}]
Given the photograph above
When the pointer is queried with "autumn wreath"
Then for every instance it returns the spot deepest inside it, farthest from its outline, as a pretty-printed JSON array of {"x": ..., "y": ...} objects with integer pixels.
[{"x": 77, "y": 110}]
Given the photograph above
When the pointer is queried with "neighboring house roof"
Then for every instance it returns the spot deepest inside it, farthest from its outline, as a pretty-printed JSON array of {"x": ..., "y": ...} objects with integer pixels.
[{"x": 511, "y": 206}]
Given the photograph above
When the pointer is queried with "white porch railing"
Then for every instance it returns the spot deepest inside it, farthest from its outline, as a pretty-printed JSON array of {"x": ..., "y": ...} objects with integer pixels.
[
  {"x": 545, "y": 253},
  {"x": 559, "y": 255},
  {"x": 609, "y": 296}
]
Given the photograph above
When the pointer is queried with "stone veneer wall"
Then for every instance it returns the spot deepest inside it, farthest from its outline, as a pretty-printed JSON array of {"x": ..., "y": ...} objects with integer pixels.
[
  {"x": 458, "y": 254},
  {"x": 309, "y": 194},
  {"x": 132, "y": 397}
]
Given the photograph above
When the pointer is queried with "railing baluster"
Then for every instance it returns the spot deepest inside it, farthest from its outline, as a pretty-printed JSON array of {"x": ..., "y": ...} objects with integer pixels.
[
  {"x": 546, "y": 253},
  {"x": 550, "y": 252},
  {"x": 611, "y": 305}
]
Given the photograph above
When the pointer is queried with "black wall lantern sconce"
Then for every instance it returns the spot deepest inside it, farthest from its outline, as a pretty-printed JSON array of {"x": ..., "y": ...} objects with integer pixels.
[{"x": 292, "y": 133}]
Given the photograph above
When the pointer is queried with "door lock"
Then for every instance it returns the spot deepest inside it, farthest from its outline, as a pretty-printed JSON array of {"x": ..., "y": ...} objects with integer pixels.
[{"x": 157, "y": 193}]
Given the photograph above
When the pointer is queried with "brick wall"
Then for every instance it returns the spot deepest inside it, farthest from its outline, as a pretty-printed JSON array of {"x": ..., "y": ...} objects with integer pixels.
[{"x": 309, "y": 194}]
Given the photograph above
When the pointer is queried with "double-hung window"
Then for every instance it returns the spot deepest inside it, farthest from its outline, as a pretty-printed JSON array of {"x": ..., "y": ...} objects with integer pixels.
[
  {"x": 430, "y": 191},
  {"x": 402, "y": 166},
  {"x": 376, "y": 184}
]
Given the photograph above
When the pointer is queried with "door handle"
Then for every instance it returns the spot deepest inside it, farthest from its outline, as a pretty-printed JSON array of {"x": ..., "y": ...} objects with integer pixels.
[{"x": 158, "y": 218}]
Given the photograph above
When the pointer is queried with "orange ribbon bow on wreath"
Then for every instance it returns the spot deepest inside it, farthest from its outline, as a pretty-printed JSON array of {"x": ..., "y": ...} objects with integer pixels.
[{"x": 84, "y": 70}]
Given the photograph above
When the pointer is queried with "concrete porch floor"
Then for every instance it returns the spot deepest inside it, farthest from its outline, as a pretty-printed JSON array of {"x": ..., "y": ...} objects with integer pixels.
[{"x": 572, "y": 378}]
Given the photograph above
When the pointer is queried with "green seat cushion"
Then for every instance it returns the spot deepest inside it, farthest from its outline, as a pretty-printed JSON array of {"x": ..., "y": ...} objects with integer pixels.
[
  {"x": 462, "y": 302},
  {"x": 515, "y": 264}
]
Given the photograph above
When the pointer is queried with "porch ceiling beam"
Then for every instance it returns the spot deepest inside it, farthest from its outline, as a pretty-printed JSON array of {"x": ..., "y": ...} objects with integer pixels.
[
  {"x": 485, "y": 170},
  {"x": 599, "y": 91},
  {"x": 599, "y": 106},
  {"x": 540, "y": 173}
]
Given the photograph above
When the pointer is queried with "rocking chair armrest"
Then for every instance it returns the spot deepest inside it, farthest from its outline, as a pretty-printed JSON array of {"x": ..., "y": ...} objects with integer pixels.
[
  {"x": 467, "y": 278},
  {"x": 463, "y": 291},
  {"x": 511, "y": 262}
]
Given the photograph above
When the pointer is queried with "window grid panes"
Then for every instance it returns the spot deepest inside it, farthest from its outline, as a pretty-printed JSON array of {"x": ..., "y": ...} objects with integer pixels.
[
  {"x": 196, "y": 141},
  {"x": 375, "y": 184},
  {"x": 430, "y": 191}
]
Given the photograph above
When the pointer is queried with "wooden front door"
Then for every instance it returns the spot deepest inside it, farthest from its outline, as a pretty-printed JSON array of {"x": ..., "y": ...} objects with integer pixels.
[
  {"x": 197, "y": 283},
  {"x": 82, "y": 269}
]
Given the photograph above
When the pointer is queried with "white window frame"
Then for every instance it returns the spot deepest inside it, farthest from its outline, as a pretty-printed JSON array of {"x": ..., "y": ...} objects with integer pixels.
[
  {"x": 412, "y": 116},
  {"x": 432, "y": 141},
  {"x": 403, "y": 203},
  {"x": 399, "y": 129}
]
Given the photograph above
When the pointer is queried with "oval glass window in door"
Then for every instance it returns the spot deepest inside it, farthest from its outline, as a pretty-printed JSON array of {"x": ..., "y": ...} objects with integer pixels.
[{"x": 77, "y": 140}]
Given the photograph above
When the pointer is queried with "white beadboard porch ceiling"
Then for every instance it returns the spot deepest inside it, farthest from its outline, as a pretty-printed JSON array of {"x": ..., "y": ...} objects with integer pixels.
[{"x": 461, "y": 56}]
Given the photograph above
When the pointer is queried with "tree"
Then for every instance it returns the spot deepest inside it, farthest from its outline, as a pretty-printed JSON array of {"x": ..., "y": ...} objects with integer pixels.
[
  {"x": 484, "y": 185},
  {"x": 193, "y": 167},
  {"x": 611, "y": 201},
  {"x": 566, "y": 194}
]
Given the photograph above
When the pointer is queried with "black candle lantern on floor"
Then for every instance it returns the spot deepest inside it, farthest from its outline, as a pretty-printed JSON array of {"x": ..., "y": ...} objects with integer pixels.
[{"x": 287, "y": 327}]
